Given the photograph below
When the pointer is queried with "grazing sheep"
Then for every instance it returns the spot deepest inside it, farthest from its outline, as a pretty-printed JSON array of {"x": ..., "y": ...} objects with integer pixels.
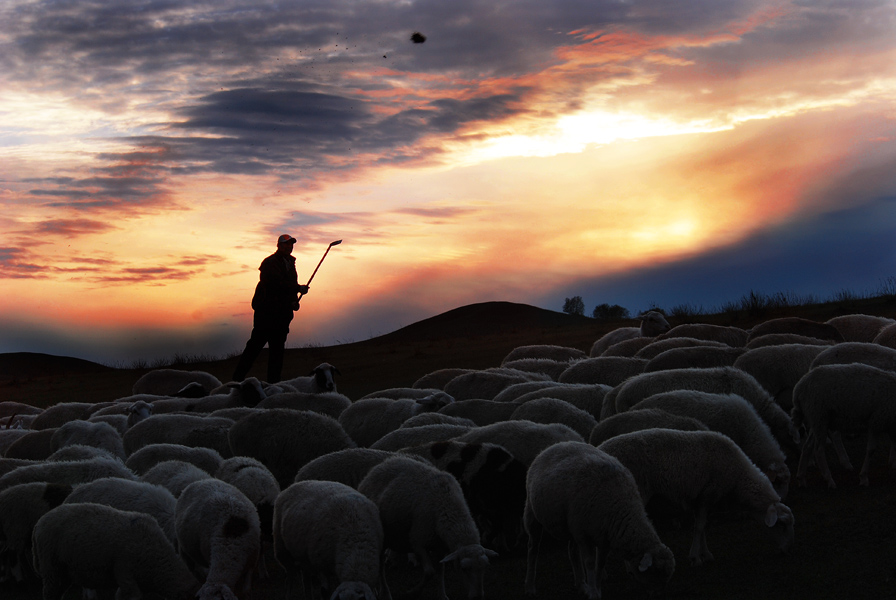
[
  {"x": 542, "y": 366},
  {"x": 586, "y": 396},
  {"x": 100, "y": 547},
  {"x": 321, "y": 379},
  {"x": 887, "y": 336},
  {"x": 852, "y": 398},
  {"x": 330, "y": 404},
  {"x": 167, "y": 382},
  {"x": 136, "y": 496},
  {"x": 186, "y": 430},
  {"x": 70, "y": 472},
  {"x": 235, "y": 413},
  {"x": 696, "y": 357},
  {"x": 777, "y": 368},
  {"x": 333, "y": 535},
  {"x": 423, "y": 510},
  {"x": 256, "y": 482},
  {"x": 11, "y": 464},
  {"x": 402, "y": 393},
  {"x": 8, "y": 436},
  {"x": 85, "y": 433},
  {"x": 481, "y": 412},
  {"x": 488, "y": 383},
  {"x": 554, "y": 410},
  {"x": 415, "y": 436},
  {"x": 627, "y": 347},
  {"x": 435, "y": 418},
  {"x": 369, "y": 419},
  {"x": 797, "y": 325},
  {"x": 174, "y": 475},
  {"x": 872, "y": 354},
  {"x": 218, "y": 535},
  {"x": 439, "y": 378},
  {"x": 580, "y": 494},
  {"x": 523, "y": 439},
  {"x": 606, "y": 370},
  {"x": 548, "y": 351},
  {"x": 735, "y": 417},
  {"x": 150, "y": 455},
  {"x": 730, "y": 336},
  {"x": 35, "y": 445},
  {"x": 248, "y": 392},
  {"x": 348, "y": 466},
  {"x": 720, "y": 380},
  {"x": 696, "y": 470},
  {"x": 654, "y": 349},
  {"x": 10, "y": 408},
  {"x": 653, "y": 323},
  {"x": 118, "y": 422},
  {"x": 859, "y": 328},
  {"x": 641, "y": 418},
  {"x": 80, "y": 452},
  {"x": 511, "y": 393},
  {"x": 285, "y": 440},
  {"x": 20, "y": 508},
  {"x": 775, "y": 339},
  {"x": 60, "y": 414}
]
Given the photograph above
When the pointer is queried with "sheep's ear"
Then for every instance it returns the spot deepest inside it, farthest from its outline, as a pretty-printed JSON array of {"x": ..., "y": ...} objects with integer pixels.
[
  {"x": 646, "y": 562},
  {"x": 771, "y": 516}
]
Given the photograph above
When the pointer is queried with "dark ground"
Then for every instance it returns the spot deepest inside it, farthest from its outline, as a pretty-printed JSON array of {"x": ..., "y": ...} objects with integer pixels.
[{"x": 845, "y": 539}]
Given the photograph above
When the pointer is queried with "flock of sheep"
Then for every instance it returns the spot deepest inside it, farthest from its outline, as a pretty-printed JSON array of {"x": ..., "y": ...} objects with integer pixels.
[{"x": 194, "y": 488}]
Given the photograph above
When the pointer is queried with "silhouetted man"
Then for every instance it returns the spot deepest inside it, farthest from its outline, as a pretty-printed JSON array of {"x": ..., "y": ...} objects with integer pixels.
[{"x": 276, "y": 297}]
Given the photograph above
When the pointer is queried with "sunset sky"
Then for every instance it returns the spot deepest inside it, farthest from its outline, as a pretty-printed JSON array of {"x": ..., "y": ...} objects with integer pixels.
[{"x": 631, "y": 152}]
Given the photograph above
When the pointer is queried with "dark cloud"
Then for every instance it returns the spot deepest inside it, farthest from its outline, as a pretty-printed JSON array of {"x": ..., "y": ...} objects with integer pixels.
[{"x": 68, "y": 228}]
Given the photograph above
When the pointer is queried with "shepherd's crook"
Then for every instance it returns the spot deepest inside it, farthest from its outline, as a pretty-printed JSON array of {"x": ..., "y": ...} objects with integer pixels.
[{"x": 336, "y": 243}]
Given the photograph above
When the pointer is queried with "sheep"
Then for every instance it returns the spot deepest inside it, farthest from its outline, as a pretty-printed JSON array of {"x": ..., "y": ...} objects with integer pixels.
[
  {"x": 641, "y": 418},
  {"x": 330, "y": 404},
  {"x": 248, "y": 392},
  {"x": 859, "y": 328},
  {"x": 580, "y": 494},
  {"x": 61, "y": 413},
  {"x": 10, "y": 408},
  {"x": 487, "y": 383},
  {"x": 730, "y": 336},
  {"x": 321, "y": 379},
  {"x": 439, "y": 378},
  {"x": 523, "y": 439},
  {"x": 481, "y": 412},
  {"x": 8, "y": 436},
  {"x": 653, "y": 323},
  {"x": 19, "y": 421},
  {"x": 886, "y": 336},
  {"x": 511, "y": 393},
  {"x": 423, "y": 510},
  {"x": 774, "y": 339},
  {"x": 543, "y": 366},
  {"x": 558, "y": 353},
  {"x": 150, "y": 455},
  {"x": 71, "y": 472},
  {"x": 606, "y": 370},
  {"x": 847, "y": 398},
  {"x": 167, "y": 382},
  {"x": 187, "y": 430},
  {"x": 435, "y": 418},
  {"x": 99, "y": 435},
  {"x": 588, "y": 397},
  {"x": 414, "y": 436},
  {"x": 369, "y": 419},
  {"x": 348, "y": 466},
  {"x": 284, "y": 440},
  {"x": 36, "y": 445},
  {"x": 218, "y": 535},
  {"x": 256, "y": 482},
  {"x": 702, "y": 357},
  {"x": 872, "y": 354},
  {"x": 80, "y": 452},
  {"x": 402, "y": 393},
  {"x": 554, "y": 410},
  {"x": 735, "y": 417},
  {"x": 11, "y": 464},
  {"x": 332, "y": 533},
  {"x": 777, "y": 368},
  {"x": 98, "y": 547},
  {"x": 797, "y": 325},
  {"x": 118, "y": 422},
  {"x": 20, "y": 508},
  {"x": 627, "y": 347},
  {"x": 656, "y": 348},
  {"x": 721, "y": 380},
  {"x": 696, "y": 470},
  {"x": 174, "y": 475},
  {"x": 235, "y": 413},
  {"x": 138, "y": 496}
]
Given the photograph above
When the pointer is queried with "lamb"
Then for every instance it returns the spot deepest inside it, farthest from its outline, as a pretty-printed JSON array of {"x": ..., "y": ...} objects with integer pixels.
[
  {"x": 848, "y": 398},
  {"x": 797, "y": 325},
  {"x": 20, "y": 508},
  {"x": 150, "y": 455},
  {"x": 552, "y": 352},
  {"x": 696, "y": 470},
  {"x": 439, "y": 378},
  {"x": 174, "y": 475},
  {"x": 588, "y": 397},
  {"x": 284, "y": 440},
  {"x": 859, "y": 328},
  {"x": 730, "y": 336},
  {"x": 218, "y": 535},
  {"x": 577, "y": 492},
  {"x": 487, "y": 383},
  {"x": 872, "y": 354},
  {"x": 541, "y": 366},
  {"x": 777, "y": 368},
  {"x": 136, "y": 496},
  {"x": 369, "y": 419},
  {"x": 523, "y": 439},
  {"x": 656, "y": 348},
  {"x": 701, "y": 357},
  {"x": 99, "y": 435},
  {"x": 167, "y": 382},
  {"x": 330, "y": 404},
  {"x": 735, "y": 417},
  {"x": 348, "y": 466},
  {"x": 70, "y": 472},
  {"x": 321, "y": 379},
  {"x": 653, "y": 323},
  {"x": 721, "y": 380},
  {"x": 256, "y": 482},
  {"x": 423, "y": 510},
  {"x": 641, "y": 418},
  {"x": 554, "y": 410},
  {"x": 187, "y": 430},
  {"x": 481, "y": 412},
  {"x": 332, "y": 533},
  {"x": 99, "y": 547},
  {"x": 606, "y": 370},
  {"x": 415, "y": 436}
]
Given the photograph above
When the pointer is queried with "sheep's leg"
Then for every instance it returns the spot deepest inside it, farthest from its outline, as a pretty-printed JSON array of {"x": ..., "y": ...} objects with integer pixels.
[
  {"x": 588, "y": 561},
  {"x": 575, "y": 559},
  {"x": 535, "y": 531},
  {"x": 383, "y": 591},
  {"x": 699, "y": 552},
  {"x": 805, "y": 459},
  {"x": 837, "y": 442},
  {"x": 871, "y": 446}
]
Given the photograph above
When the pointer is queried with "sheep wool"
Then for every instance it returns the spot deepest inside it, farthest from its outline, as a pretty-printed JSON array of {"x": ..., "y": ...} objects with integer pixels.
[
  {"x": 20, "y": 508},
  {"x": 523, "y": 439},
  {"x": 369, "y": 419},
  {"x": 149, "y": 456},
  {"x": 86, "y": 433},
  {"x": 642, "y": 418},
  {"x": 548, "y": 351},
  {"x": 554, "y": 410},
  {"x": 167, "y": 382},
  {"x": 348, "y": 466},
  {"x": 778, "y": 367},
  {"x": 70, "y": 472}
]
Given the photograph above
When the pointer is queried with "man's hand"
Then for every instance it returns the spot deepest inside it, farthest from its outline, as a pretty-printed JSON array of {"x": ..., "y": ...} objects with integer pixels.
[{"x": 303, "y": 289}]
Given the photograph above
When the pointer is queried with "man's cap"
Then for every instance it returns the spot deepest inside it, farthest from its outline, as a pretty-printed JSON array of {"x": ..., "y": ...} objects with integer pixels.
[{"x": 286, "y": 239}]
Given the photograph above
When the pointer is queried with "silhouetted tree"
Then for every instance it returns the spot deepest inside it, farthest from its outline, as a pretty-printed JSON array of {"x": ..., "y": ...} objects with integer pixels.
[
  {"x": 574, "y": 306},
  {"x": 605, "y": 312}
]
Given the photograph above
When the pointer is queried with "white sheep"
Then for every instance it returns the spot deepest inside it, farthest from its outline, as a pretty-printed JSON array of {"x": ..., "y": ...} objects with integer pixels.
[
  {"x": 730, "y": 336},
  {"x": 415, "y": 436},
  {"x": 485, "y": 384},
  {"x": 641, "y": 418},
  {"x": 248, "y": 392},
  {"x": 720, "y": 380},
  {"x": 285, "y": 440},
  {"x": 20, "y": 508},
  {"x": 606, "y": 370},
  {"x": 150, "y": 455},
  {"x": 85, "y": 433},
  {"x": 851, "y": 398},
  {"x": 628, "y": 347},
  {"x": 797, "y": 325},
  {"x": 554, "y": 410},
  {"x": 422, "y": 509},
  {"x": 548, "y": 351},
  {"x": 653, "y": 323},
  {"x": 34, "y": 445},
  {"x": 256, "y": 482},
  {"x": 218, "y": 535},
  {"x": 657, "y": 347},
  {"x": 8, "y": 436},
  {"x": 541, "y": 366},
  {"x": 60, "y": 414},
  {"x": 511, "y": 393},
  {"x": 481, "y": 412},
  {"x": 586, "y": 396},
  {"x": 580, "y": 494},
  {"x": 174, "y": 475},
  {"x": 118, "y": 422},
  {"x": 332, "y": 534},
  {"x": 882, "y": 357},
  {"x": 187, "y": 430},
  {"x": 523, "y": 439},
  {"x": 696, "y": 470},
  {"x": 439, "y": 378},
  {"x": 702, "y": 357},
  {"x": 886, "y": 337},
  {"x": 138, "y": 496},
  {"x": 321, "y": 379},
  {"x": 11, "y": 464},
  {"x": 70, "y": 472},
  {"x": 326, "y": 403},
  {"x": 10, "y": 408},
  {"x": 402, "y": 393},
  {"x": 774, "y": 339},
  {"x": 435, "y": 418},
  {"x": 348, "y": 466},
  {"x": 369, "y": 419},
  {"x": 167, "y": 382},
  {"x": 859, "y": 328},
  {"x": 735, "y": 417},
  {"x": 80, "y": 452}
]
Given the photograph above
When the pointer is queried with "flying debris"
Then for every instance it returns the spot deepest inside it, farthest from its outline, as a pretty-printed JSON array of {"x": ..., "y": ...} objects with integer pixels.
[{"x": 418, "y": 38}]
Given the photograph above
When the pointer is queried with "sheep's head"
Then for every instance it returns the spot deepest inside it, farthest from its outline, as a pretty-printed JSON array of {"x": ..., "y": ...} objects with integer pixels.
[
  {"x": 472, "y": 560},
  {"x": 138, "y": 411},
  {"x": 779, "y": 519},
  {"x": 324, "y": 375},
  {"x": 653, "y": 323},
  {"x": 654, "y": 568},
  {"x": 353, "y": 590}
]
